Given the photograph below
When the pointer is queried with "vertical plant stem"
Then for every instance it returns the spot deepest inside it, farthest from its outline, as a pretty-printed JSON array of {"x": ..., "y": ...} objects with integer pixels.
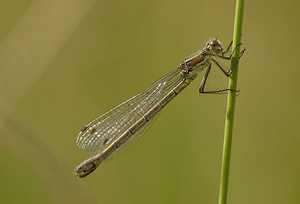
[{"x": 231, "y": 105}]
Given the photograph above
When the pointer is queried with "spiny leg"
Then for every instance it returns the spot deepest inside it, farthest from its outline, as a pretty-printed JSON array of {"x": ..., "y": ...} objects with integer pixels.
[
  {"x": 228, "y": 74},
  {"x": 203, "y": 82},
  {"x": 228, "y": 58},
  {"x": 224, "y": 52}
]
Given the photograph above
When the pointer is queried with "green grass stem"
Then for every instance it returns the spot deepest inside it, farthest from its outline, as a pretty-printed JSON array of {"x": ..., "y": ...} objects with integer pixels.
[{"x": 231, "y": 105}]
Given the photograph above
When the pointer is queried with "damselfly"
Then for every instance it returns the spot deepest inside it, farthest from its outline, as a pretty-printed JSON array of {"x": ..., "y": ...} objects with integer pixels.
[{"x": 116, "y": 130}]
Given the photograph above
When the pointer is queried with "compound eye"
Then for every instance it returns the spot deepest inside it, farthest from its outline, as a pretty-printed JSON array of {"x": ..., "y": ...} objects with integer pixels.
[{"x": 214, "y": 43}]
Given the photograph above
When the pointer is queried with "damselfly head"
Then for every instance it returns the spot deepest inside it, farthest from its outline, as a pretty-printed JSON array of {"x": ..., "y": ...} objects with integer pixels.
[{"x": 214, "y": 45}]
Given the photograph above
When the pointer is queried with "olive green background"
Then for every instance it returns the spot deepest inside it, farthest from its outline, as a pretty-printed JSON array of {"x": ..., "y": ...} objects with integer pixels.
[{"x": 63, "y": 63}]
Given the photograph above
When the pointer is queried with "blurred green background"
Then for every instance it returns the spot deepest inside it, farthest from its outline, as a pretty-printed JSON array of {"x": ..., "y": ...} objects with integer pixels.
[{"x": 63, "y": 63}]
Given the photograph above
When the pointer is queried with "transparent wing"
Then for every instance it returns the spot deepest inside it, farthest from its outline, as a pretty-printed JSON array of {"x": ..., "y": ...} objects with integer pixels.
[{"x": 104, "y": 130}]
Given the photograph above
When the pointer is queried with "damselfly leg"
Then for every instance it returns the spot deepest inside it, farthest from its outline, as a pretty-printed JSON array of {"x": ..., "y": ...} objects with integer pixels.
[{"x": 227, "y": 73}]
